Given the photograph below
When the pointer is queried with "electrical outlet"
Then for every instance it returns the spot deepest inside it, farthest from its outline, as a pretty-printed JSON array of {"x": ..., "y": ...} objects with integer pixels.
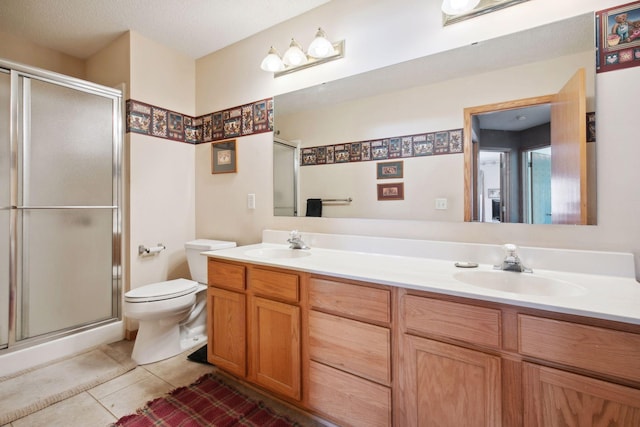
[{"x": 441, "y": 204}]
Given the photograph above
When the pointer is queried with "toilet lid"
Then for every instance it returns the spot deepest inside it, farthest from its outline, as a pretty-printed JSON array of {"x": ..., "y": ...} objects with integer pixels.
[{"x": 161, "y": 290}]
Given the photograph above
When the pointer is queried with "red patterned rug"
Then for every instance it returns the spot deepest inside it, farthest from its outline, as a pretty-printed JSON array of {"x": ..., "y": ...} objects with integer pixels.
[{"x": 207, "y": 402}]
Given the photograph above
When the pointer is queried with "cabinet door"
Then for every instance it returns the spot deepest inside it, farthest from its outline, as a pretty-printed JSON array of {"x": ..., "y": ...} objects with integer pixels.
[
  {"x": 557, "y": 398},
  {"x": 446, "y": 385},
  {"x": 227, "y": 330},
  {"x": 275, "y": 346}
]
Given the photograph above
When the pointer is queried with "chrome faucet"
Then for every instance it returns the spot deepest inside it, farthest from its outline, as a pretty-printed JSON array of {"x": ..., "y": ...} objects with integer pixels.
[
  {"x": 296, "y": 242},
  {"x": 511, "y": 261}
]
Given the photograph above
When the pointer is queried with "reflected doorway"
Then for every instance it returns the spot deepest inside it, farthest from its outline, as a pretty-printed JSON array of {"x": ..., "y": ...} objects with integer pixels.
[
  {"x": 563, "y": 129},
  {"x": 537, "y": 186},
  {"x": 493, "y": 185}
]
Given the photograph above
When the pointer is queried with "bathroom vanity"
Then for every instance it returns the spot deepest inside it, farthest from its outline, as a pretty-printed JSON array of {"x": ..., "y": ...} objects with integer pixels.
[{"x": 366, "y": 339}]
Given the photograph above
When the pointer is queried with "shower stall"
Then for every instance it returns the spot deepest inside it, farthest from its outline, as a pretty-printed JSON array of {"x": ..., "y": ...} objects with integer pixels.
[{"x": 60, "y": 207}]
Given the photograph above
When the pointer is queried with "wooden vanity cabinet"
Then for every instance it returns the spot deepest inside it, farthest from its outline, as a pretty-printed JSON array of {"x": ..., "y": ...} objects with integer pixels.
[
  {"x": 349, "y": 352},
  {"x": 361, "y": 354},
  {"x": 274, "y": 329},
  {"x": 554, "y": 397},
  {"x": 444, "y": 383},
  {"x": 558, "y": 397},
  {"x": 226, "y": 317},
  {"x": 466, "y": 362},
  {"x": 254, "y": 324}
]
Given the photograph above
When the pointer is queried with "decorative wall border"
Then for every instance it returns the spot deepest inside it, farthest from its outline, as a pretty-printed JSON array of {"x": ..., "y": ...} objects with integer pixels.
[
  {"x": 418, "y": 145},
  {"x": 248, "y": 119}
]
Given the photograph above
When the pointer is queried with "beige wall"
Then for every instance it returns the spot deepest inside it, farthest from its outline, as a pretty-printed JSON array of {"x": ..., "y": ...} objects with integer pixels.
[
  {"x": 111, "y": 66},
  {"x": 17, "y": 49},
  {"x": 162, "y": 189},
  {"x": 231, "y": 77}
]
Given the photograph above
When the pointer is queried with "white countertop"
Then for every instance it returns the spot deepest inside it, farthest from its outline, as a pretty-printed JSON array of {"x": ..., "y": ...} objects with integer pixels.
[{"x": 605, "y": 296}]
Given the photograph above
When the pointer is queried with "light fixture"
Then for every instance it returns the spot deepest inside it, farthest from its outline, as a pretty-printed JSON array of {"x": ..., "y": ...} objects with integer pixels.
[
  {"x": 321, "y": 50},
  {"x": 272, "y": 62},
  {"x": 456, "y": 7}
]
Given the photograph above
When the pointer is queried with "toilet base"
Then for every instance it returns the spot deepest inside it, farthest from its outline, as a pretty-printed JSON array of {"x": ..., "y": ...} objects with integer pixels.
[
  {"x": 156, "y": 341},
  {"x": 161, "y": 340}
]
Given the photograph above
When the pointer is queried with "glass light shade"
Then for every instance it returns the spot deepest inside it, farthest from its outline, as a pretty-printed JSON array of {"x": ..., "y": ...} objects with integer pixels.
[
  {"x": 272, "y": 62},
  {"x": 456, "y": 7},
  {"x": 320, "y": 47},
  {"x": 294, "y": 55}
]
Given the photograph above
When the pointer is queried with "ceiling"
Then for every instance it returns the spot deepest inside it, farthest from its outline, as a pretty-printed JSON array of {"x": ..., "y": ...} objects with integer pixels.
[{"x": 196, "y": 28}]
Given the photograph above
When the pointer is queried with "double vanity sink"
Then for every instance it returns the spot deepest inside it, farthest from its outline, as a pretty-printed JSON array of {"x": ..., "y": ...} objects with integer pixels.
[
  {"x": 496, "y": 280},
  {"x": 609, "y": 294}
]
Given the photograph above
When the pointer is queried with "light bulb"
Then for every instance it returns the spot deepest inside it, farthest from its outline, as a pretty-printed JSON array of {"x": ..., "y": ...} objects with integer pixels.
[
  {"x": 294, "y": 55},
  {"x": 320, "y": 47},
  {"x": 456, "y": 7},
  {"x": 272, "y": 62}
]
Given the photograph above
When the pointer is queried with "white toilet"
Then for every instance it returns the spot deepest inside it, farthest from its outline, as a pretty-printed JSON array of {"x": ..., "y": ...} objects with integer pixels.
[{"x": 172, "y": 315}]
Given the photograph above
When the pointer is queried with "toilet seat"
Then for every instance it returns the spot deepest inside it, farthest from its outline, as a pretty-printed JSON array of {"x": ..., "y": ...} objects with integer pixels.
[{"x": 161, "y": 291}]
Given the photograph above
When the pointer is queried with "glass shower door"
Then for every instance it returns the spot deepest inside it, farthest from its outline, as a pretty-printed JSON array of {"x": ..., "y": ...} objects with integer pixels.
[
  {"x": 66, "y": 208},
  {"x": 285, "y": 178},
  {"x": 5, "y": 204}
]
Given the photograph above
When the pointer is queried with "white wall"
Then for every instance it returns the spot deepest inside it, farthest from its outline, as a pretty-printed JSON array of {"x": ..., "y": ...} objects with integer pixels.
[{"x": 232, "y": 77}]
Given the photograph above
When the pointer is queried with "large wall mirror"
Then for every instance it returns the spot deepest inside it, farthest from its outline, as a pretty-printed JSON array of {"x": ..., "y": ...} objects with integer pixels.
[{"x": 424, "y": 96}]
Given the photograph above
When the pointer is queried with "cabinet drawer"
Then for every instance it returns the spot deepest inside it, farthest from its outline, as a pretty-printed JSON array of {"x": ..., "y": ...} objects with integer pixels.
[
  {"x": 469, "y": 323},
  {"x": 351, "y": 300},
  {"x": 349, "y": 345},
  {"x": 589, "y": 347},
  {"x": 275, "y": 284},
  {"x": 225, "y": 275},
  {"x": 349, "y": 400}
]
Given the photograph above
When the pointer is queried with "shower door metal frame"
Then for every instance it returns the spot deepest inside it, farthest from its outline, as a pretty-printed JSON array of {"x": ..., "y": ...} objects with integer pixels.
[{"x": 21, "y": 76}]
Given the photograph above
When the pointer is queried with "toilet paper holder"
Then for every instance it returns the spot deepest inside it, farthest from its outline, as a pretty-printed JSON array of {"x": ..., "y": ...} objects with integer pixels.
[{"x": 145, "y": 251}]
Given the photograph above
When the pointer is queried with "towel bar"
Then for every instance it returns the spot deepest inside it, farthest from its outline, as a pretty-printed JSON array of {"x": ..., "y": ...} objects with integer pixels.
[{"x": 347, "y": 200}]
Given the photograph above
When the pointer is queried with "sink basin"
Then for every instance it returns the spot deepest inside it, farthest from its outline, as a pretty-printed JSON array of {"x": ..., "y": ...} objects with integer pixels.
[
  {"x": 519, "y": 283},
  {"x": 277, "y": 253}
]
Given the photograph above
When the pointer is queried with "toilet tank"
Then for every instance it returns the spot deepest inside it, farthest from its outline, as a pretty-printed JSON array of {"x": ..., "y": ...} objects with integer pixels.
[{"x": 197, "y": 262}]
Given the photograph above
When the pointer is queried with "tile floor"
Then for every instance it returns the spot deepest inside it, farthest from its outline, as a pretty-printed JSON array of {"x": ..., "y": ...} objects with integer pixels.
[{"x": 106, "y": 403}]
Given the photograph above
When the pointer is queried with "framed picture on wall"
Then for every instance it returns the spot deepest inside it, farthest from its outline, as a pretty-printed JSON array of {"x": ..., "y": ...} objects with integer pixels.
[
  {"x": 223, "y": 157},
  {"x": 618, "y": 37},
  {"x": 393, "y": 191},
  {"x": 388, "y": 170}
]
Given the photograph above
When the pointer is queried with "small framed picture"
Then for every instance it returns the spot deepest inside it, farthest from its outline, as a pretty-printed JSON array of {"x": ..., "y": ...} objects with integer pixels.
[
  {"x": 391, "y": 191},
  {"x": 223, "y": 157},
  {"x": 388, "y": 170}
]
